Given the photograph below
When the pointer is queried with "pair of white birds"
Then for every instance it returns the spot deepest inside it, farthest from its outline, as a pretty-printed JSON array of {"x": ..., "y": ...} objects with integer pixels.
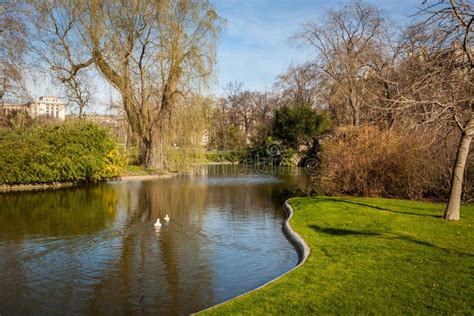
[{"x": 158, "y": 224}]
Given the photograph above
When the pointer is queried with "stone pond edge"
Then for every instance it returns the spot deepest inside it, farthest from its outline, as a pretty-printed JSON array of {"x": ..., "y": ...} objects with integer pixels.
[
  {"x": 4, "y": 188},
  {"x": 295, "y": 239}
]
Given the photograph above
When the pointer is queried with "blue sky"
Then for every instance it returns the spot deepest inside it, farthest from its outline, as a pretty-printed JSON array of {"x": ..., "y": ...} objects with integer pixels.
[{"x": 255, "y": 46}]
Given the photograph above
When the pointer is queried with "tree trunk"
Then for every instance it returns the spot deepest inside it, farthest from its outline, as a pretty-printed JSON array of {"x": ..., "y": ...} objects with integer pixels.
[
  {"x": 355, "y": 108},
  {"x": 356, "y": 118},
  {"x": 152, "y": 151},
  {"x": 390, "y": 114},
  {"x": 452, "y": 211}
]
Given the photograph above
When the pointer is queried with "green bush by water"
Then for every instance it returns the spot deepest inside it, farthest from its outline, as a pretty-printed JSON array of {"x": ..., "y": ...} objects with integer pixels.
[
  {"x": 69, "y": 152},
  {"x": 223, "y": 156}
]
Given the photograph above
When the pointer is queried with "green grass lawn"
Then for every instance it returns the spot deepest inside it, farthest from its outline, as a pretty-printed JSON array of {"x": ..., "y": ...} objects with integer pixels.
[
  {"x": 135, "y": 170},
  {"x": 372, "y": 256}
]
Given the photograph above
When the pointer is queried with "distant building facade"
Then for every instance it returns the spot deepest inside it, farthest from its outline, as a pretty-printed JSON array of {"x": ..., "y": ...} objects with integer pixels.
[{"x": 46, "y": 106}]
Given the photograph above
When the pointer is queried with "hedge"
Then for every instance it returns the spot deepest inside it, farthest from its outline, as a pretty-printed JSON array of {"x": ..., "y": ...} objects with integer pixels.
[{"x": 68, "y": 152}]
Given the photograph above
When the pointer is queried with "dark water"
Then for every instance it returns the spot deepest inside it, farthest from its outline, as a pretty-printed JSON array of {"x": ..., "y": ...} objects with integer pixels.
[{"x": 95, "y": 250}]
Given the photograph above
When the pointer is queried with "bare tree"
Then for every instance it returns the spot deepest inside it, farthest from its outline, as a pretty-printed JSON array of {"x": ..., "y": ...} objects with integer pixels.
[
  {"x": 265, "y": 103},
  {"x": 446, "y": 93},
  {"x": 79, "y": 90},
  {"x": 232, "y": 100},
  {"x": 14, "y": 35},
  {"x": 61, "y": 52},
  {"x": 241, "y": 117},
  {"x": 344, "y": 43},
  {"x": 300, "y": 85},
  {"x": 240, "y": 107},
  {"x": 434, "y": 82}
]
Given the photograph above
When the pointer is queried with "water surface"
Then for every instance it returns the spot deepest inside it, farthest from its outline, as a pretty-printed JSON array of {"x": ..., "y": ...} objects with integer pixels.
[{"x": 94, "y": 249}]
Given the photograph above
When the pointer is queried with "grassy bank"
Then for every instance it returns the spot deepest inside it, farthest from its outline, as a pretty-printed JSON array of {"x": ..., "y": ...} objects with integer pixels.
[{"x": 372, "y": 256}]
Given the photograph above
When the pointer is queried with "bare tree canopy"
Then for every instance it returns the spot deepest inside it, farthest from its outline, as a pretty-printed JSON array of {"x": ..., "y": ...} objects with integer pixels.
[
  {"x": 301, "y": 85},
  {"x": 441, "y": 79},
  {"x": 344, "y": 43},
  {"x": 14, "y": 35}
]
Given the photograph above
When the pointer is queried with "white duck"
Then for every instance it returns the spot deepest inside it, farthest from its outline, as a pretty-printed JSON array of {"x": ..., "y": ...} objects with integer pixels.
[
  {"x": 167, "y": 218},
  {"x": 157, "y": 223}
]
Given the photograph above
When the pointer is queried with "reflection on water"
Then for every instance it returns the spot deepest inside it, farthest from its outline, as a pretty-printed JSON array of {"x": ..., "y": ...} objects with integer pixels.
[{"x": 95, "y": 250}]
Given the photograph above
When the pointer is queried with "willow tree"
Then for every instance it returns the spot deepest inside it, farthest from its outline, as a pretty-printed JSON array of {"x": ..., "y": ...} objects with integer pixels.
[{"x": 153, "y": 52}]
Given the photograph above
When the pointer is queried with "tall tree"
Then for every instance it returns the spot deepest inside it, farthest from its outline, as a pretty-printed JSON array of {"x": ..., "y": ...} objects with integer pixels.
[
  {"x": 79, "y": 91},
  {"x": 300, "y": 85},
  {"x": 151, "y": 52},
  {"x": 344, "y": 42},
  {"x": 61, "y": 52},
  {"x": 241, "y": 107},
  {"x": 439, "y": 78},
  {"x": 14, "y": 36}
]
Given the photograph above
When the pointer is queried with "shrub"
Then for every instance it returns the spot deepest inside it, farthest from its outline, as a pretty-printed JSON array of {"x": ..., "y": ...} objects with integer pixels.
[
  {"x": 366, "y": 161},
  {"x": 69, "y": 152},
  {"x": 272, "y": 152},
  {"x": 299, "y": 124},
  {"x": 223, "y": 155}
]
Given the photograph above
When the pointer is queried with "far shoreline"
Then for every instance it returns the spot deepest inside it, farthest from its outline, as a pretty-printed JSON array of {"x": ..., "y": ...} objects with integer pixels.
[{"x": 126, "y": 177}]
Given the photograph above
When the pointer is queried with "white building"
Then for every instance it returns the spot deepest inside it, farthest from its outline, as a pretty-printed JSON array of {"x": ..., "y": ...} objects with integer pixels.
[{"x": 47, "y": 106}]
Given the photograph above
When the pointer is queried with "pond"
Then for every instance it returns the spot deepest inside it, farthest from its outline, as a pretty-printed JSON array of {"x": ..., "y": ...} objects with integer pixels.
[{"x": 94, "y": 249}]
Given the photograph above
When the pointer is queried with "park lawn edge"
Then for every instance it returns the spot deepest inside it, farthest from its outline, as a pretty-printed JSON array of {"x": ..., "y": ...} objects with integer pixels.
[
  {"x": 287, "y": 295},
  {"x": 295, "y": 239}
]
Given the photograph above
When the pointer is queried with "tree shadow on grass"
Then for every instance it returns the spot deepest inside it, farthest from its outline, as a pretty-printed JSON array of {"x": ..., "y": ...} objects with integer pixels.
[
  {"x": 349, "y": 232},
  {"x": 376, "y": 207},
  {"x": 341, "y": 231}
]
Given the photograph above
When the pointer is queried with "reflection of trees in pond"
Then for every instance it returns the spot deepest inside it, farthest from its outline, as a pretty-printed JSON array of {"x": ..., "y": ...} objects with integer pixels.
[
  {"x": 14, "y": 280},
  {"x": 250, "y": 200},
  {"x": 151, "y": 273},
  {"x": 35, "y": 265},
  {"x": 62, "y": 212}
]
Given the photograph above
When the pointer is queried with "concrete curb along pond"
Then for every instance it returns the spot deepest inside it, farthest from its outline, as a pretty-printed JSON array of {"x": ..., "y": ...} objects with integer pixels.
[
  {"x": 61, "y": 185},
  {"x": 295, "y": 239}
]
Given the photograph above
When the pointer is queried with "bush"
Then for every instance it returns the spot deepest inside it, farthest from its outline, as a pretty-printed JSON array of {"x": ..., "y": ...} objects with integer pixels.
[
  {"x": 69, "y": 152},
  {"x": 299, "y": 124},
  {"x": 366, "y": 161},
  {"x": 273, "y": 153},
  {"x": 223, "y": 156}
]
